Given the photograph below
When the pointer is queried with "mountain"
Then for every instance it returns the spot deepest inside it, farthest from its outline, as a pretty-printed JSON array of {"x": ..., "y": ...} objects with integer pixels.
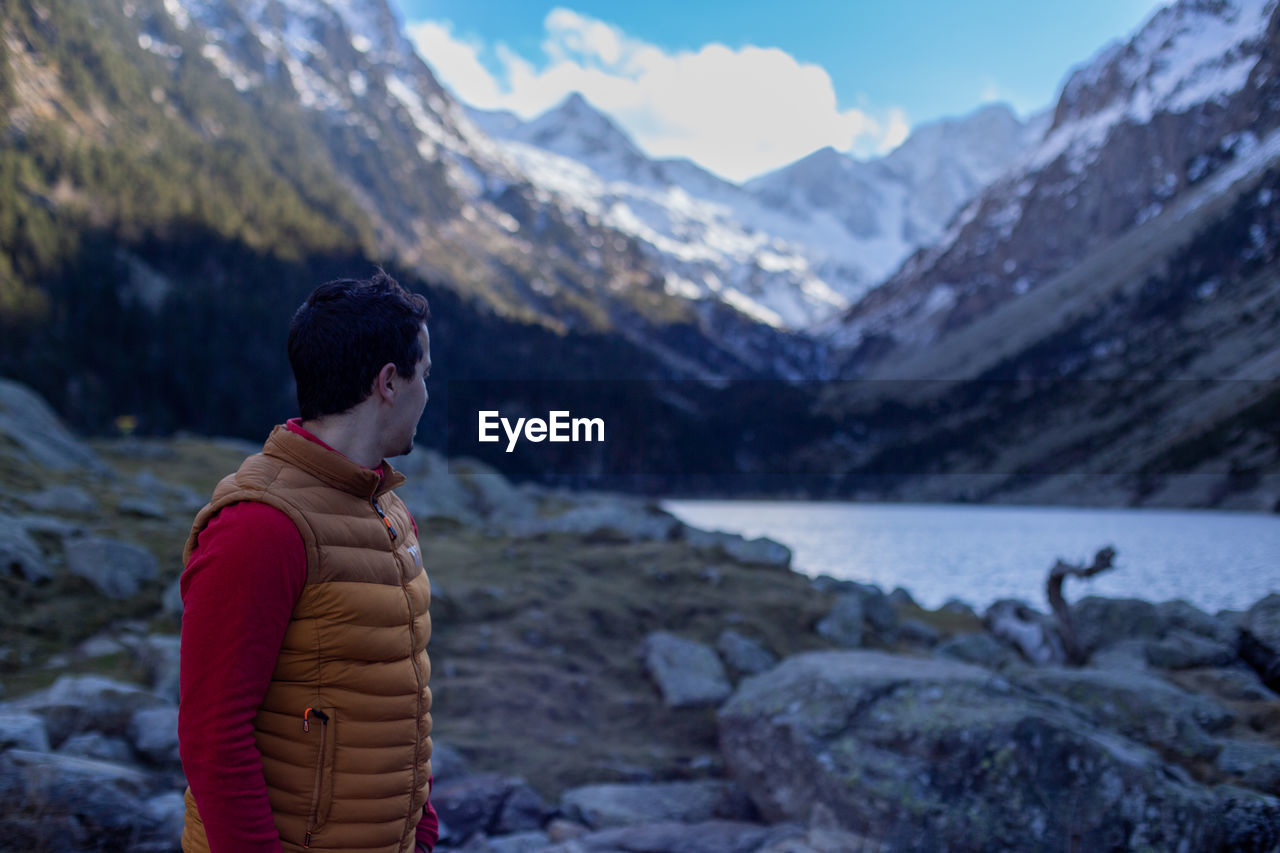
[
  {"x": 1101, "y": 323},
  {"x": 1135, "y": 130},
  {"x": 791, "y": 248}
]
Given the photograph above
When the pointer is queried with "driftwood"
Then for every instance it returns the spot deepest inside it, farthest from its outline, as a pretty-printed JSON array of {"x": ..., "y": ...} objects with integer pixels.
[{"x": 1102, "y": 561}]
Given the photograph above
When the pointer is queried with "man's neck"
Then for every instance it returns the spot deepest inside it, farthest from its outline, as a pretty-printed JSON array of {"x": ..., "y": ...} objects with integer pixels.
[{"x": 349, "y": 436}]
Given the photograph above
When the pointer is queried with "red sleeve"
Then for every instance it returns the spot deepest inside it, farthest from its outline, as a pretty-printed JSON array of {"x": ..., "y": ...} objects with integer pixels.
[
  {"x": 429, "y": 827},
  {"x": 238, "y": 593}
]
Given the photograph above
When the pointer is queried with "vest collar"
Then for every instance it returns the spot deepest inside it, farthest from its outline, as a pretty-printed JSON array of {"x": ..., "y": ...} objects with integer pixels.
[{"x": 330, "y": 466}]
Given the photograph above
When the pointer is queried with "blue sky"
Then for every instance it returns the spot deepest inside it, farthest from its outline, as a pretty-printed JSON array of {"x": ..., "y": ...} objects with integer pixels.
[{"x": 744, "y": 87}]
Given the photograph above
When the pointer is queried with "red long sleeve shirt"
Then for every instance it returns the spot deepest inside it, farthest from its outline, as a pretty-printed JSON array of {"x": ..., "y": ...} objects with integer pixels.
[{"x": 238, "y": 592}]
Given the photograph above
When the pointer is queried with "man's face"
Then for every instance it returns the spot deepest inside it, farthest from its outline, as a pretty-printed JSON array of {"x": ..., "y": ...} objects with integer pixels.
[{"x": 411, "y": 399}]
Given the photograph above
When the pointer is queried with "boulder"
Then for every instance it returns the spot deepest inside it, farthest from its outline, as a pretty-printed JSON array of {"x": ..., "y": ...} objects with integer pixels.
[
  {"x": 33, "y": 430},
  {"x": 159, "y": 656},
  {"x": 670, "y": 837},
  {"x": 981, "y": 649},
  {"x": 86, "y": 703},
  {"x": 62, "y": 500},
  {"x": 23, "y": 731},
  {"x": 20, "y": 556},
  {"x": 957, "y": 607},
  {"x": 106, "y": 799},
  {"x": 762, "y": 551},
  {"x": 918, "y": 632},
  {"x": 1258, "y": 764},
  {"x": 933, "y": 754},
  {"x": 1259, "y": 639},
  {"x": 117, "y": 569},
  {"x": 476, "y": 805},
  {"x": 97, "y": 746},
  {"x": 1182, "y": 615},
  {"x": 743, "y": 655},
  {"x": 1102, "y": 621},
  {"x": 601, "y": 806},
  {"x": 432, "y": 491},
  {"x": 1031, "y": 632},
  {"x": 447, "y": 764},
  {"x": 687, "y": 673},
  {"x": 1137, "y": 705},
  {"x": 1183, "y": 649},
  {"x": 844, "y": 624},
  {"x": 154, "y": 735},
  {"x": 900, "y": 598},
  {"x": 613, "y": 516},
  {"x": 532, "y": 841}
]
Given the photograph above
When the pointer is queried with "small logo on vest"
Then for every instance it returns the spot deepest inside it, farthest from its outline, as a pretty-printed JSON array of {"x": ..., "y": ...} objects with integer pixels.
[{"x": 417, "y": 555}]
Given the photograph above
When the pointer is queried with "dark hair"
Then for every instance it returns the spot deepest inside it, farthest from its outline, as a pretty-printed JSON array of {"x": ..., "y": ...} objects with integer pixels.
[{"x": 344, "y": 333}]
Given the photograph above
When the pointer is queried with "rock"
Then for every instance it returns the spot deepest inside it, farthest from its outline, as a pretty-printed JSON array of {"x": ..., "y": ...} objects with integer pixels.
[
  {"x": 1179, "y": 614},
  {"x": 447, "y": 764},
  {"x": 86, "y": 703},
  {"x": 171, "y": 600},
  {"x": 601, "y": 806},
  {"x": 23, "y": 731},
  {"x": 97, "y": 746},
  {"x": 687, "y": 673},
  {"x": 843, "y": 625},
  {"x": 20, "y": 556},
  {"x": 432, "y": 491},
  {"x": 142, "y": 508},
  {"x": 1258, "y": 764},
  {"x": 29, "y": 425},
  {"x": 1102, "y": 621},
  {"x": 1137, "y": 705},
  {"x": 919, "y": 633},
  {"x": 762, "y": 551},
  {"x": 63, "y": 500},
  {"x": 1259, "y": 642},
  {"x": 1251, "y": 824},
  {"x": 560, "y": 829},
  {"x": 616, "y": 517},
  {"x": 706, "y": 837},
  {"x": 159, "y": 656},
  {"x": 475, "y": 804},
  {"x": 522, "y": 810},
  {"x": 1029, "y": 631},
  {"x": 1240, "y": 684},
  {"x": 743, "y": 655},
  {"x": 958, "y": 607},
  {"x": 519, "y": 842},
  {"x": 168, "y": 813},
  {"x": 154, "y": 734},
  {"x": 100, "y": 646},
  {"x": 900, "y": 598},
  {"x": 1182, "y": 649},
  {"x": 1126, "y": 655},
  {"x": 981, "y": 649},
  {"x": 117, "y": 569},
  {"x": 109, "y": 801},
  {"x": 932, "y": 754}
]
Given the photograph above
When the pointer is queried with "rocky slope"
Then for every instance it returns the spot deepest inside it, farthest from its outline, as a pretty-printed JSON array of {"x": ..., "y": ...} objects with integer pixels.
[{"x": 607, "y": 679}]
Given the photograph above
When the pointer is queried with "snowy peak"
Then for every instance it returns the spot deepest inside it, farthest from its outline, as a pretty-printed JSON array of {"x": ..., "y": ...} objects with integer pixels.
[{"x": 1185, "y": 54}]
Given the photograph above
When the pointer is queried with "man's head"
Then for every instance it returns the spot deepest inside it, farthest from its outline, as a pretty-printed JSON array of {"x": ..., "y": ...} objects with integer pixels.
[{"x": 355, "y": 339}]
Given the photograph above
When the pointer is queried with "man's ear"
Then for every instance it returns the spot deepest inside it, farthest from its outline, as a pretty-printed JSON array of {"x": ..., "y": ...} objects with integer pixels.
[{"x": 382, "y": 382}]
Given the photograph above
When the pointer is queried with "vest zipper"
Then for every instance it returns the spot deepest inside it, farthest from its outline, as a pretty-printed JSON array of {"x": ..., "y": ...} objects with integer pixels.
[
  {"x": 413, "y": 660},
  {"x": 315, "y": 789}
]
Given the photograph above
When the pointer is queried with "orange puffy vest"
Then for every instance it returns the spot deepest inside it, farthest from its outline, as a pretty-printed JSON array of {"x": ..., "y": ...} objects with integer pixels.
[{"x": 345, "y": 727}]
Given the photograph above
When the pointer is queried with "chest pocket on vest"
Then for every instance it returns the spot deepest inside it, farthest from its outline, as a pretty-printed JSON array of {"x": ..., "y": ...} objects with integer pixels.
[{"x": 321, "y": 725}]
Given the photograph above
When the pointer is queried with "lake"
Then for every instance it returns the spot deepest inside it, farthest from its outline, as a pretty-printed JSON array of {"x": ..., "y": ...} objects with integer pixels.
[{"x": 1215, "y": 560}]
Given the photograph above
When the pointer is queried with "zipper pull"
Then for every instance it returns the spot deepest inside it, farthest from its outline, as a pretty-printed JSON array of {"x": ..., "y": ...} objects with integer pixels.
[
  {"x": 313, "y": 712},
  {"x": 382, "y": 515}
]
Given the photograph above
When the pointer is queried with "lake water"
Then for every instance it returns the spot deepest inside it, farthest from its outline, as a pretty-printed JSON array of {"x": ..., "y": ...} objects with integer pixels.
[{"x": 1215, "y": 560}]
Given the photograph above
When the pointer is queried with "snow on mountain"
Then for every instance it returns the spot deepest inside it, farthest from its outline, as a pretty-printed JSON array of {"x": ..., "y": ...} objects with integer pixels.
[
  {"x": 791, "y": 248},
  {"x": 1133, "y": 130}
]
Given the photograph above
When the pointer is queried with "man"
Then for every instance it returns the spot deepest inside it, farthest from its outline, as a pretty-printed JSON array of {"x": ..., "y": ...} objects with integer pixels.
[{"x": 304, "y": 720}]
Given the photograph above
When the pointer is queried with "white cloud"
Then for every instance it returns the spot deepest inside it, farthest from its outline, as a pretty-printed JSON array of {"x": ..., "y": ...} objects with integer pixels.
[{"x": 738, "y": 112}]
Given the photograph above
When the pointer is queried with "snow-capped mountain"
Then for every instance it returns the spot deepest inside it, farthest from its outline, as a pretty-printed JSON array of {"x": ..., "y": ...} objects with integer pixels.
[
  {"x": 790, "y": 248},
  {"x": 1138, "y": 133}
]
